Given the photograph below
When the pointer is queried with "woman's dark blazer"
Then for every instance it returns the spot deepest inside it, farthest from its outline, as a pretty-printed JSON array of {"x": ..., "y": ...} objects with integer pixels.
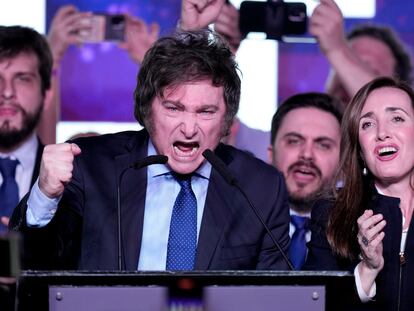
[{"x": 395, "y": 283}]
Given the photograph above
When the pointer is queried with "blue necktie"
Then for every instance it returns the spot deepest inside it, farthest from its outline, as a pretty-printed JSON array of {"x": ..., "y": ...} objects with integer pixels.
[
  {"x": 182, "y": 240},
  {"x": 298, "y": 250},
  {"x": 9, "y": 191}
]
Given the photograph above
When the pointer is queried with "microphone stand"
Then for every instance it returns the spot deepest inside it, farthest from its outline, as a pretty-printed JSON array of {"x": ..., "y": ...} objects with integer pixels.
[{"x": 223, "y": 170}]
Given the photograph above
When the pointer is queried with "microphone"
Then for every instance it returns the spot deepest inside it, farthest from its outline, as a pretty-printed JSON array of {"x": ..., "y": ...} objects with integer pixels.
[
  {"x": 150, "y": 160},
  {"x": 224, "y": 171},
  {"x": 153, "y": 159}
]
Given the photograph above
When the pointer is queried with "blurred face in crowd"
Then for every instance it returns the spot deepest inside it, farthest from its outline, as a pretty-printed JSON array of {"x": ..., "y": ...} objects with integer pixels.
[
  {"x": 375, "y": 54},
  {"x": 21, "y": 100},
  {"x": 386, "y": 132},
  {"x": 306, "y": 151},
  {"x": 187, "y": 120}
]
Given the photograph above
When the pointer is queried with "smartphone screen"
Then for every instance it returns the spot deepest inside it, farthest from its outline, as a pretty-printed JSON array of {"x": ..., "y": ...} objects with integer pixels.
[
  {"x": 104, "y": 27},
  {"x": 281, "y": 18},
  {"x": 114, "y": 27}
]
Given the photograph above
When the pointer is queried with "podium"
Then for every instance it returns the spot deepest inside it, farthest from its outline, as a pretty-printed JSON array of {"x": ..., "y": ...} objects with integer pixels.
[{"x": 196, "y": 290}]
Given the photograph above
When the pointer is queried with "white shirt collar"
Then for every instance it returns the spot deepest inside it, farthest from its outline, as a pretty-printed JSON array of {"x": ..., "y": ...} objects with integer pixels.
[{"x": 293, "y": 212}]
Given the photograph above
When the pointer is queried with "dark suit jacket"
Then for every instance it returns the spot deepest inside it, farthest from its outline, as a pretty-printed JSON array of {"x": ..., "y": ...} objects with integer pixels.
[
  {"x": 36, "y": 169},
  {"x": 83, "y": 232},
  {"x": 390, "y": 286}
]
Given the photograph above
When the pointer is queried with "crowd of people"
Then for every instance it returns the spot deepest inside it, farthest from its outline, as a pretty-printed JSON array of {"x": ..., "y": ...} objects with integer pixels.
[{"x": 336, "y": 194}]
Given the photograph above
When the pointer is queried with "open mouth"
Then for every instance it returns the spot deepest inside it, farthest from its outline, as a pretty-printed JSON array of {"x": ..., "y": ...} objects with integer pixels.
[
  {"x": 304, "y": 174},
  {"x": 185, "y": 149},
  {"x": 304, "y": 171},
  {"x": 387, "y": 151}
]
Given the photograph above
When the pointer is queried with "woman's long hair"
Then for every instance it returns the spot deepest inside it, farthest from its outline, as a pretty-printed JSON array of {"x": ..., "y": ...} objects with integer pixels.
[{"x": 354, "y": 197}]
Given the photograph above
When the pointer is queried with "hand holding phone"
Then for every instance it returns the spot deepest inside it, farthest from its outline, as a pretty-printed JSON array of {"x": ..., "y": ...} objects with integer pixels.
[
  {"x": 139, "y": 37},
  {"x": 276, "y": 19},
  {"x": 104, "y": 27},
  {"x": 64, "y": 30}
]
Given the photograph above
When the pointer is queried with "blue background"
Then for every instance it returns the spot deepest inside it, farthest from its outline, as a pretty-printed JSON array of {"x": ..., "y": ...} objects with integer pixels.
[{"x": 98, "y": 80}]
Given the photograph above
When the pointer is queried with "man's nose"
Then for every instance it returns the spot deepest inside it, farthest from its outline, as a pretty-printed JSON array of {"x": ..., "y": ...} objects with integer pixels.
[
  {"x": 306, "y": 152},
  {"x": 7, "y": 90},
  {"x": 189, "y": 125}
]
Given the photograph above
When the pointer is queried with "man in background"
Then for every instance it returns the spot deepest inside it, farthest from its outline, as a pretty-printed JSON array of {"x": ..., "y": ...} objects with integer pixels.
[
  {"x": 25, "y": 74},
  {"x": 29, "y": 102},
  {"x": 304, "y": 146},
  {"x": 367, "y": 52}
]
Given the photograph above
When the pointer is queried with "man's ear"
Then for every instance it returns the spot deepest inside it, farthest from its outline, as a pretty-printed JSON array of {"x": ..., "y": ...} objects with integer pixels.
[
  {"x": 48, "y": 99},
  {"x": 270, "y": 154}
]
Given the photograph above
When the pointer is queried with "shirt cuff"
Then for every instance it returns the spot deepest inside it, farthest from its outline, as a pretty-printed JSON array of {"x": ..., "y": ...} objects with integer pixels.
[
  {"x": 40, "y": 208},
  {"x": 361, "y": 293}
]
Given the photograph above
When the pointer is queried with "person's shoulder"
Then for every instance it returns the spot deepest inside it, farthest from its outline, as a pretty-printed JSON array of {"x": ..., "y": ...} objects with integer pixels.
[
  {"x": 112, "y": 143},
  {"x": 112, "y": 139},
  {"x": 322, "y": 208},
  {"x": 246, "y": 165}
]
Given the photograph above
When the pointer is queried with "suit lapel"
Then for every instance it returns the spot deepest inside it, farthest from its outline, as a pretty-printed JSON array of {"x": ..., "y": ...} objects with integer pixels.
[
  {"x": 389, "y": 208},
  {"x": 38, "y": 159},
  {"x": 133, "y": 190},
  {"x": 218, "y": 211}
]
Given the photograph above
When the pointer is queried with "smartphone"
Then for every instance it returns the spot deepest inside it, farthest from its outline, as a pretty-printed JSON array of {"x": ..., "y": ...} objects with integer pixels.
[
  {"x": 104, "y": 27},
  {"x": 276, "y": 19}
]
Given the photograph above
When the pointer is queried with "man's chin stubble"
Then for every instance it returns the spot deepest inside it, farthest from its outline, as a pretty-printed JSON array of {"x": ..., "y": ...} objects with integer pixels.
[
  {"x": 11, "y": 137},
  {"x": 299, "y": 198}
]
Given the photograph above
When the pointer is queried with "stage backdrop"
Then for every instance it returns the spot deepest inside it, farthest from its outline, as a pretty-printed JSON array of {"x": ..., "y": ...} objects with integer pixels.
[{"x": 98, "y": 80}]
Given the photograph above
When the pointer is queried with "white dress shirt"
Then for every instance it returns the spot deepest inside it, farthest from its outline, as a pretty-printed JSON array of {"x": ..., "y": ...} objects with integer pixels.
[{"x": 162, "y": 191}]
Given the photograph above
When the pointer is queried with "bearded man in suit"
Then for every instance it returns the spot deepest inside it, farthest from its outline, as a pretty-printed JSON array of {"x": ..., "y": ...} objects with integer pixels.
[{"x": 25, "y": 81}]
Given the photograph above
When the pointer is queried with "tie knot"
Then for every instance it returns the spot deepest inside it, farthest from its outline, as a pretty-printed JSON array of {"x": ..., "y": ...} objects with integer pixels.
[
  {"x": 8, "y": 167},
  {"x": 183, "y": 180},
  {"x": 300, "y": 222}
]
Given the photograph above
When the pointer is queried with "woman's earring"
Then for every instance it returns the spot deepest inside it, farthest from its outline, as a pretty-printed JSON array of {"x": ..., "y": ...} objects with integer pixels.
[{"x": 364, "y": 171}]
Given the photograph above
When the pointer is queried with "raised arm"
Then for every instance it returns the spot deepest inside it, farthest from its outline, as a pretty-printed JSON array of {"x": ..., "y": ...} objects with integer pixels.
[
  {"x": 139, "y": 36},
  {"x": 66, "y": 29},
  {"x": 227, "y": 24},
  {"x": 197, "y": 14},
  {"x": 350, "y": 72}
]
